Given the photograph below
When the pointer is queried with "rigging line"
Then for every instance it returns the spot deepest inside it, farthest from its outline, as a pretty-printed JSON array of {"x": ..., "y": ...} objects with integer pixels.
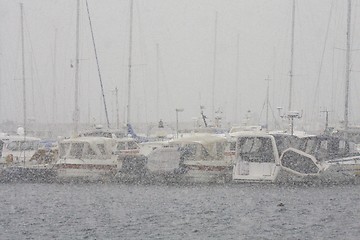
[
  {"x": 98, "y": 66},
  {"x": 36, "y": 71},
  {"x": 322, "y": 56}
]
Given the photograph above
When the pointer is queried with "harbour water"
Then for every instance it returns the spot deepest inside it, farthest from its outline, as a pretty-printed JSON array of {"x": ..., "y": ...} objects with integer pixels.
[{"x": 117, "y": 211}]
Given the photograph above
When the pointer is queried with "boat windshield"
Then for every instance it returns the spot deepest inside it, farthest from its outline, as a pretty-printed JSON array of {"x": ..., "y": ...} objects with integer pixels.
[
  {"x": 121, "y": 146},
  {"x": 63, "y": 149},
  {"x": 284, "y": 142},
  {"x": 21, "y": 145},
  {"x": 188, "y": 152},
  {"x": 256, "y": 149},
  {"x": 76, "y": 150},
  {"x": 132, "y": 145},
  {"x": 326, "y": 148}
]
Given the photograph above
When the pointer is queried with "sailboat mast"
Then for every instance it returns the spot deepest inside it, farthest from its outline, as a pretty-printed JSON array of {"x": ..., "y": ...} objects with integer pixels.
[
  {"x": 117, "y": 108},
  {"x": 157, "y": 82},
  {"x": 76, "y": 111},
  {"x": 54, "y": 110},
  {"x": 214, "y": 69},
  {"x": 237, "y": 78},
  {"x": 23, "y": 65},
  {"x": 347, "y": 79},
  {"x": 129, "y": 64},
  {"x": 292, "y": 56},
  {"x": 267, "y": 102},
  {"x": 23, "y": 69}
]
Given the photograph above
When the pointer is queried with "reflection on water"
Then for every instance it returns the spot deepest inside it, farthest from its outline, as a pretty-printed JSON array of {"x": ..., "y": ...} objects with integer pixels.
[{"x": 111, "y": 211}]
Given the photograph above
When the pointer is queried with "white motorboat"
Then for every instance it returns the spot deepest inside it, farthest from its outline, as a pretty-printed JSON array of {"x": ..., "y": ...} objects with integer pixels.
[
  {"x": 321, "y": 159},
  {"x": 21, "y": 160},
  {"x": 149, "y": 162},
  {"x": 86, "y": 159},
  {"x": 205, "y": 158},
  {"x": 18, "y": 150},
  {"x": 257, "y": 158}
]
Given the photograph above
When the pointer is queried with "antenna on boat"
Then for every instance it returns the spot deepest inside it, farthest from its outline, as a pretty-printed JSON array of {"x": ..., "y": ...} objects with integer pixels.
[
  {"x": 267, "y": 102},
  {"x": 326, "y": 119}
]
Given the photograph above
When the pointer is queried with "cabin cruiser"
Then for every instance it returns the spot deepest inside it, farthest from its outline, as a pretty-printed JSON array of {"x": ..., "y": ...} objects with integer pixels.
[
  {"x": 321, "y": 159},
  {"x": 86, "y": 159},
  {"x": 257, "y": 157},
  {"x": 150, "y": 162},
  {"x": 282, "y": 158},
  {"x": 18, "y": 149},
  {"x": 21, "y": 160},
  {"x": 205, "y": 158}
]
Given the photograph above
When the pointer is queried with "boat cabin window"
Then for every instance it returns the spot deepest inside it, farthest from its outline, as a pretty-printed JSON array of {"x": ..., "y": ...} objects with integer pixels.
[
  {"x": 121, "y": 146},
  {"x": 220, "y": 148},
  {"x": 299, "y": 163},
  {"x": 232, "y": 146},
  {"x": 256, "y": 149},
  {"x": 308, "y": 146},
  {"x": 204, "y": 154},
  {"x": 102, "y": 149},
  {"x": 76, "y": 150},
  {"x": 285, "y": 142},
  {"x": 187, "y": 152},
  {"x": 63, "y": 149},
  {"x": 90, "y": 151},
  {"x": 132, "y": 145},
  {"x": 21, "y": 145},
  {"x": 13, "y": 146}
]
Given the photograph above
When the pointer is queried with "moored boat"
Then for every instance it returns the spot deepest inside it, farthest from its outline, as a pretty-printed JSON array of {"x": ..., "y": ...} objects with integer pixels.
[
  {"x": 321, "y": 159},
  {"x": 205, "y": 158},
  {"x": 86, "y": 159}
]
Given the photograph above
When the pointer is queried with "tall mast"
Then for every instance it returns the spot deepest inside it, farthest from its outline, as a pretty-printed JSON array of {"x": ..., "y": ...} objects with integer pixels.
[
  {"x": 76, "y": 111},
  {"x": 267, "y": 102},
  {"x": 23, "y": 69},
  {"x": 32, "y": 85},
  {"x": 129, "y": 64},
  {"x": 157, "y": 81},
  {"x": 23, "y": 65},
  {"x": 347, "y": 82},
  {"x": 98, "y": 66},
  {"x": 237, "y": 79},
  {"x": 214, "y": 69},
  {"x": 54, "y": 81},
  {"x": 291, "y": 73},
  {"x": 117, "y": 108}
]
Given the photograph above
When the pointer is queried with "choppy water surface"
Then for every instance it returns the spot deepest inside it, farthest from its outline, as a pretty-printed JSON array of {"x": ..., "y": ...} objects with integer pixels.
[{"x": 111, "y": 211}]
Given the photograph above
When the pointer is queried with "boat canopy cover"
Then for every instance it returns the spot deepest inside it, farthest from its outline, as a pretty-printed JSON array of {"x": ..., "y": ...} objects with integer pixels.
[{"x": 86, "y": 147}]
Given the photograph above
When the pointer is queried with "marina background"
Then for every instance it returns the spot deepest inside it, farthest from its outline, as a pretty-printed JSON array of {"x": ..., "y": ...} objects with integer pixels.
[{"x": 182, "y": 72}]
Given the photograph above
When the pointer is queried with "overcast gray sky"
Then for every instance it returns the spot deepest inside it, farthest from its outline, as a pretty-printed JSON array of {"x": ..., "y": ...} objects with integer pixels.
[{"x": 184, "y": 31}]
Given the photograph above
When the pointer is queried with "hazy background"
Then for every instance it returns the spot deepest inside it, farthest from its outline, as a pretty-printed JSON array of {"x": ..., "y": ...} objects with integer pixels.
[{"x": 184, "y": 31}]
